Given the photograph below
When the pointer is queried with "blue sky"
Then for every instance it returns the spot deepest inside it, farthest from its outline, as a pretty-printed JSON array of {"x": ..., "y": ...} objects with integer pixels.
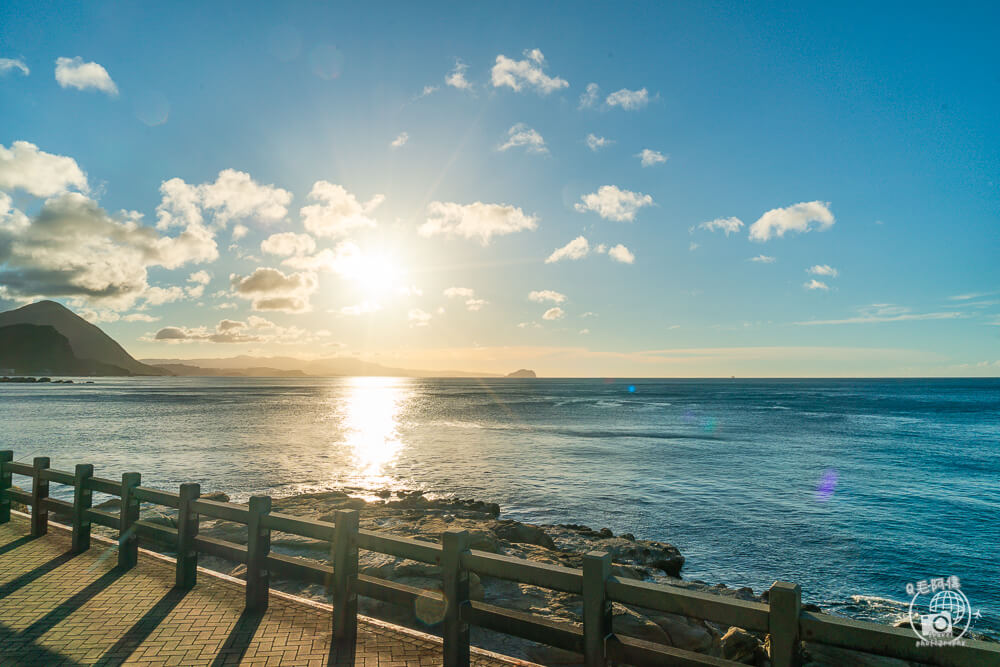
[{"x": 870, "y": 137}]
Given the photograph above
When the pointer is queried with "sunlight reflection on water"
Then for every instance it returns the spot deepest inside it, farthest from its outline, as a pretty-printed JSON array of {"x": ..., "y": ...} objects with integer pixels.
[{"x": 369, "y": 419}]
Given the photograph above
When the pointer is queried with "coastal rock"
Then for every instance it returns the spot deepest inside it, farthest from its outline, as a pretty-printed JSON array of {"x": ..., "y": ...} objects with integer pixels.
[
  {"x": 684, "y": 633},
  {"x": 631, "y": 623},
  {"x": 739, "y": 645},
  {"x": 525, "y": 533}
]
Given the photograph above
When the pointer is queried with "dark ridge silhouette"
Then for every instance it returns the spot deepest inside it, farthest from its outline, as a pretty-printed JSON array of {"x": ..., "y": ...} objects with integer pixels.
[
  {"x": 31, "y": 349},
  {"x": 87, "y": 341}
]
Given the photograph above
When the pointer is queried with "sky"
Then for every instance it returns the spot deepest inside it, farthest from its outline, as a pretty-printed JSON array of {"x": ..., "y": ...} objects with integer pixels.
[{"x": 583, "y": 189}]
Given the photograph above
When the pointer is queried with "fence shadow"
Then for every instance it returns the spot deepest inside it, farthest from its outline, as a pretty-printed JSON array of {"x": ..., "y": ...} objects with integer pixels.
[
  {"x": 14, "y": 544},
  {"x": 61, "y": 612},
  {"x": 141, "y": 629},
  {"x": 27, "y": 651},
  {"x": 30, "y": 576},
  {"x": 239, "y": 639}
]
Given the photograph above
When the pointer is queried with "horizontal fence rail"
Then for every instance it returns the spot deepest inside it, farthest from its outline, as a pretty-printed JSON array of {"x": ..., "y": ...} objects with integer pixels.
[{"x": 781, "y": 618}]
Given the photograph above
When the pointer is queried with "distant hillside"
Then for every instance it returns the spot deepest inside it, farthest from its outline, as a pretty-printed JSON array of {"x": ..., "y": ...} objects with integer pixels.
[
  {"x": 330, "y": 367},
  {"x": 86, "y": 340},
  {"x": 522, "y": 373},
  {"x": 186, "y": 370},
  {"x": 32, "y": 349}
]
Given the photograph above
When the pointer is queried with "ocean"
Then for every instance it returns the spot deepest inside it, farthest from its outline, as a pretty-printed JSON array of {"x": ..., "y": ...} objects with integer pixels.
[{"x": 851, "y": 488}]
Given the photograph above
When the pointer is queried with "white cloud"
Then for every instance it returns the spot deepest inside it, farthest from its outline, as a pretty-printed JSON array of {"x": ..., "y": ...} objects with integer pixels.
[
  {"x": 522, "y": 135},
  {"x": 886, "y": 312},
  {"x": 239, "y": 231},
  {"x": 9, "y": 64},
  {"x": 589, "y": 98},
  {"x": 469, "y": 296},
  {"x": 287, "y": 244},
  {"x": 254, "y": 330},
  {"x": 345, "y": 260},
  {"x": 271, "y": 289},
  {"x": 611, "y": 203},
  {"x": 763, "y": 259},
  {"x": 477, "y": 221},
  {"x": 650, "y": 158},
  {"x": 362, "y": 308},
  {"x": 584, "y": 332},
  {"x": 578, "y": 248},
  {"x": 157, "y": 296},
  {"x": 233, "y": 196},
  {"x": 400, "y": 140},
  {"x": 24, "y": 167},
  {"x": 796, "y": 218},
  {"x": 596, "y": 143},
  {"x": 339, "y": 212},
  {"x": 475, "y": 304},
  {"x": 418, "y": 318},
  {"x": 727, "y": 225},
  {"x": 519, "y": 74},
  {"x": 529, "y": 325},
  {"x": 459, "y": 292},
  {"x": 554, "y": 313},
  {"x": 630, "y": 100},
  {"x": 200, "y": 277},
  {"x": 541, "y": 296},
  {"x": 428, "y": 90},
  {"x": 409, "y": 290},
  {"x": 74, "y": 73},
  {"x": 456, "y": 77},
  {"x": 823, "y": 270},
  {"x": 73, "y": 248},
  {"x": 140, "y": 317},
  {"x": 692, "y": 246},
  {"x": 816, "y": 284},
  {"x": 620, "y": 253}
]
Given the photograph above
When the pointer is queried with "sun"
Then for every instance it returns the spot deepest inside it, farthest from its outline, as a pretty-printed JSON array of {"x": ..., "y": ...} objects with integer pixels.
[{"x": 373, "y": 274}]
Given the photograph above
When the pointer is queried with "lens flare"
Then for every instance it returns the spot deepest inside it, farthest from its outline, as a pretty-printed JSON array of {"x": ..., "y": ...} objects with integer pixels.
[{"x": 827, "y": 485}]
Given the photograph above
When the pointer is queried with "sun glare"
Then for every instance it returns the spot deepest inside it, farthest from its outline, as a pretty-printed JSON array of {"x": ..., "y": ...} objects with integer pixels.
[
  {"x": 371, "y": 427},
  {"x": 373, "y": 274}
]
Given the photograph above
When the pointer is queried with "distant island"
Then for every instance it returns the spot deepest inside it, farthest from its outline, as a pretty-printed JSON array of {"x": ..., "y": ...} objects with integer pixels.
[{"x": 47, "y": 338}]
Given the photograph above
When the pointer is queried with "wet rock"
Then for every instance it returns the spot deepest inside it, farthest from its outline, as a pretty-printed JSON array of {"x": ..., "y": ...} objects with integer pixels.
[
  {"x": 514, "y": 531},
  {"x": 606, "y": 532}
]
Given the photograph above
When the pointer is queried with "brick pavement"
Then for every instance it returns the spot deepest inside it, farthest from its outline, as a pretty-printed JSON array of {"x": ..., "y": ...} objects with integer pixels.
[{"x": 57, "y": 609}]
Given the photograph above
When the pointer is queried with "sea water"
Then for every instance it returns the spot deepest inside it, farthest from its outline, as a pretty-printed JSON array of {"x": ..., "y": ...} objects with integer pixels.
[{"x": 851, "y": 488}]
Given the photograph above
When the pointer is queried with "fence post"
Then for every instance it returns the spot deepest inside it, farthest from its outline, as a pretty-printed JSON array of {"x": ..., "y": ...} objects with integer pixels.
[
  {"x": 785, "y": 601},
  {"x": 455, "y": 582},
  {"x": 6, "y": 456},
  {"x": 187, "y": 528},
  {"x": 39, "y": 492},
  {"x": 82, "y": 500},
  {"x": 345, "y": 577},
  {"x": 596, "y": 607},
  {"x": 258, "y": 546},
  {"x": 128, "y": 542}
]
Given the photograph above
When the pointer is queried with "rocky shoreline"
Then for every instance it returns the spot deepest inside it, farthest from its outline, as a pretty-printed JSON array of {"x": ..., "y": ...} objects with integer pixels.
[{"x": 412, "y": 514}]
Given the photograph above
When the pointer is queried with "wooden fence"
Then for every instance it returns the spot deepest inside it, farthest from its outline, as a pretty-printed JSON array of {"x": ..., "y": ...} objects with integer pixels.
[{"x": 782, "y": 618}]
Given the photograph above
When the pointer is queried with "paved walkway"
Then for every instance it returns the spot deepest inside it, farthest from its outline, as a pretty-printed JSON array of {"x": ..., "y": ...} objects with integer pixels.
[{"x": 56, "y": 609}]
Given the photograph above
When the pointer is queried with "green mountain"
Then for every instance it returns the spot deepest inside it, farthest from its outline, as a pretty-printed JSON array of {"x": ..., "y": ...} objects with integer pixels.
[
  {"x": 87, "y": 342},
  {"x": 32, "y": 349}
]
